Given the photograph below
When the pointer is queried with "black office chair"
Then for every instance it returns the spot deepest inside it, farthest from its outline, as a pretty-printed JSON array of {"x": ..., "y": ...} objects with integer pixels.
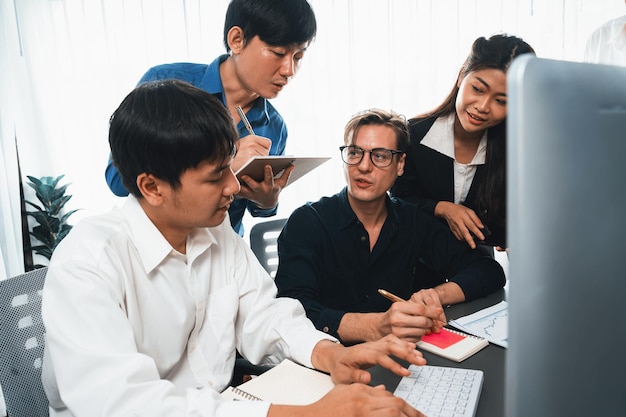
[
  {"x": 263, "y": 243},
  {"x": 22, "y": 344}
]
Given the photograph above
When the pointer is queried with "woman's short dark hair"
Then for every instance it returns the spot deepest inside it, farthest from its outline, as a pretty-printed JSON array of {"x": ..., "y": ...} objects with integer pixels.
[
  {"x": 275, "y": 22},
  {"x": 166, "y": 127}
]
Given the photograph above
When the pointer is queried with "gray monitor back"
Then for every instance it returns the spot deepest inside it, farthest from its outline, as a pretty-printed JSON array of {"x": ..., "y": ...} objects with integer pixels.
[{"x": 567, "y": 231}]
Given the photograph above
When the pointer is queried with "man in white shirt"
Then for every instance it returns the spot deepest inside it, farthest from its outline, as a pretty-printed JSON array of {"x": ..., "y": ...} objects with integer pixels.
[
  {"x": 145, "y": 306},
  {"x": 607, "y": 44}
]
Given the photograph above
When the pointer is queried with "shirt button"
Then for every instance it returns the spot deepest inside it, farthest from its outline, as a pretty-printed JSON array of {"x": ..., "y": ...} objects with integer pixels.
[
  {"x": 210, "y": 383},
  {"x": 462, "y": 170},
  {"x": 457, "y": 183},
  {"x": 325, "y": 329},
  {"x": 193, "y": 346}
]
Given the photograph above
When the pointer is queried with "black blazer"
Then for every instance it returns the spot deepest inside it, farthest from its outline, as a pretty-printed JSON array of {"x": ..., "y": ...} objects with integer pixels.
[{"x": 429, "y": 178}]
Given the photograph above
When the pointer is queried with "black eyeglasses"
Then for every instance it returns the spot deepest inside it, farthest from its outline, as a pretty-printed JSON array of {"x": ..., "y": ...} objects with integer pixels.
[{"x": 380, "y": 157}]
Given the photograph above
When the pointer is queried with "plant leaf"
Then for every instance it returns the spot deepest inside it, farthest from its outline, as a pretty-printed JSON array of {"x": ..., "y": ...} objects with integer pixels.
[
  {"x": 47, "y": 252},
  {"x": 67, "y": 215},
  {"x": 59, "y": 192},
  {"x": 57, "y": 204},
  {"x": 43, "y": 235},
  {"x": 52, "y": 227},
  {"x": 35, "y": 182},
  {"x": 33, "y": 205},
  {"x": 41, "y": 217}
]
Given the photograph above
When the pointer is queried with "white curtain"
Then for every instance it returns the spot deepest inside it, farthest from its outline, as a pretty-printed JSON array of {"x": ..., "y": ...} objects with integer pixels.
[
  {"x": 67, "y": 64},
  {"x": 11, "y": 255}
]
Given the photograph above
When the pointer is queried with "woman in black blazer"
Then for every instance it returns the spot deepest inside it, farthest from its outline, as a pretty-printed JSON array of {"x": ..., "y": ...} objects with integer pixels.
[{"x": 456, "y": 164}]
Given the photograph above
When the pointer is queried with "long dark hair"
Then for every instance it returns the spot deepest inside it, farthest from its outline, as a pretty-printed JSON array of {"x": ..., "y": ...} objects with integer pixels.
[{"x": 497, "y": 52}]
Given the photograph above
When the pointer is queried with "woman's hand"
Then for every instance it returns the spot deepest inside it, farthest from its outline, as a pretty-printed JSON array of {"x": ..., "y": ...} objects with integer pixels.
[{"x": 463, "y": 221}]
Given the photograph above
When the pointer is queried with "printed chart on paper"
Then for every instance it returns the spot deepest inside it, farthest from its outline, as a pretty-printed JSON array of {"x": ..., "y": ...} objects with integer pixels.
[{"x": 491, "y": 323}]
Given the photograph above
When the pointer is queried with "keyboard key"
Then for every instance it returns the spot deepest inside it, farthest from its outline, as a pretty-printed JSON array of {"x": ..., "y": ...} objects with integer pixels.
[{"x": 439, "y": 391}]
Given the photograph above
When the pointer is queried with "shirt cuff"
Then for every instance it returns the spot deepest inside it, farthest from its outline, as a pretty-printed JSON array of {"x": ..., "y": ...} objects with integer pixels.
[{"x": 258, "y": 212}]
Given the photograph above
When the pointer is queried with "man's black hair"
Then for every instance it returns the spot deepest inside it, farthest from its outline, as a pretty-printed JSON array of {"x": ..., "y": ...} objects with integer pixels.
[
  {"x": 275, "y": 22},
  {"x": 166, "y": 127}
]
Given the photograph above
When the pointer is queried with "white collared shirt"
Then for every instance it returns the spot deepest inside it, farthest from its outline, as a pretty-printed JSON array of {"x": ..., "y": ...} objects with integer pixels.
[
  {"x": 135, "y": 328},
  {"x": 607, "y": 44},
  {"x": 440, "y": 138}
]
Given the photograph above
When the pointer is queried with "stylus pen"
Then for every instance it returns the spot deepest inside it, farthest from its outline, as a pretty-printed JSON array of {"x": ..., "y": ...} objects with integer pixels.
[
  {"x": 245, "y": 120},
  {"x": 390, "y": 296}
]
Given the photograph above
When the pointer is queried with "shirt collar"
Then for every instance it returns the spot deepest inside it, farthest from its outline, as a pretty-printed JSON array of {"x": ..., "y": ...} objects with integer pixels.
[
  {"x": 151, "y": 245},
  {"x": 212, "y": 83},
  {"x": 439, "y": 135},
  {"x": 347, "y": 217}
]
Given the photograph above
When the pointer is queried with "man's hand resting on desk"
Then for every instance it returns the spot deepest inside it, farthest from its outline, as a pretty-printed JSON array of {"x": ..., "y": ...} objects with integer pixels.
[
  {"x": 346, "y": 366},
  {"x": 410, "y": 320},
  {"x": 407, "y": 320}
]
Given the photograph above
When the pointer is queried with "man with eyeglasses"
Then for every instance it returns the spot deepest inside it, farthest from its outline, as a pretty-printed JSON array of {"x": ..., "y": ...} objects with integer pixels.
[{"x": 337, "y": 252}]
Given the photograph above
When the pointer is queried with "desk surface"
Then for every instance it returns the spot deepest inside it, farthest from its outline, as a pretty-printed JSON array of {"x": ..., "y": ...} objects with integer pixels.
[{"x": 490, "y": 360}]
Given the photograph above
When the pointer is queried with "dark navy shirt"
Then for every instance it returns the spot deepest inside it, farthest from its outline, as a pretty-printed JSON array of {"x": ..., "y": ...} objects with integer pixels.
[
  {"x": 326, "y": 262},
  {"x": 263, "y": 116}
]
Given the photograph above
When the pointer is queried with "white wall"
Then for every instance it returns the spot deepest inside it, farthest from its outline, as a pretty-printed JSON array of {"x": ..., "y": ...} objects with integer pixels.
[{"x": 67, "y": 64}]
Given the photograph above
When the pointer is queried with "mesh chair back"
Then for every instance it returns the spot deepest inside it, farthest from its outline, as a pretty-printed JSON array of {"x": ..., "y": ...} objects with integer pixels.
[
  {"x": 22, "y": 344},
  {"x": 263, "y": 243}
]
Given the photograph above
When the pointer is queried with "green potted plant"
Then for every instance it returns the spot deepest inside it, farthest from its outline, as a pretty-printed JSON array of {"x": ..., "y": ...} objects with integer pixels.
[{"x": 51, "y": 225}]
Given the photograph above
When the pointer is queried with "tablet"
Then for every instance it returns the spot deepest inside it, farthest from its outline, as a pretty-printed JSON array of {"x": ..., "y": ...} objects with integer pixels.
[{"x": 303, "y": 164}]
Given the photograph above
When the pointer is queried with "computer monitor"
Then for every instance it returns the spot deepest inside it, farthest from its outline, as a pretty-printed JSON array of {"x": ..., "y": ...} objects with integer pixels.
[{"x": 567, "y": 238}]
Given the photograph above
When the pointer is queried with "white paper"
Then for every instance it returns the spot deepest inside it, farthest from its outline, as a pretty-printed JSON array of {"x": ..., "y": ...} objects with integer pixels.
[
  {"x": 491, "y": 323},
  {"x": 286, "y": 383}
]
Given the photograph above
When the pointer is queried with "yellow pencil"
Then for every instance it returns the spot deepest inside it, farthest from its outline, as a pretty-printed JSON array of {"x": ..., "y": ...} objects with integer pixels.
[
  {"x": 396, "y": 299},
  {"x": 390, "y": 296}
]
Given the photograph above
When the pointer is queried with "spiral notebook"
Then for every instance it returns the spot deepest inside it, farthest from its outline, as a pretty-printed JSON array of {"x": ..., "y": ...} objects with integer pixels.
[
  {"x": 452, "y": 345},
  {"x": 286, "y": 383}
]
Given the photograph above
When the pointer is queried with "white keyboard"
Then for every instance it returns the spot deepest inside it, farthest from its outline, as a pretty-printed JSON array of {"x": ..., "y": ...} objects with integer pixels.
[{"x": 439, "y": 391}]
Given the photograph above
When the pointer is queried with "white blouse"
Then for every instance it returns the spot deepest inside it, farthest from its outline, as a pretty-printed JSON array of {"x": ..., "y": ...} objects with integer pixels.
[{"x": 440, "y": 138}]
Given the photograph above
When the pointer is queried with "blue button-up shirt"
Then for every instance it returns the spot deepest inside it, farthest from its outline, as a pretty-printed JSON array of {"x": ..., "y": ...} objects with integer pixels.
[{"x": 263, "y": 116}]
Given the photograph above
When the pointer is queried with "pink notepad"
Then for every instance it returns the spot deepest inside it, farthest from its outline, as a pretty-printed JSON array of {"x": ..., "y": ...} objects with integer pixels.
[{"x": 451, "y": 344}]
